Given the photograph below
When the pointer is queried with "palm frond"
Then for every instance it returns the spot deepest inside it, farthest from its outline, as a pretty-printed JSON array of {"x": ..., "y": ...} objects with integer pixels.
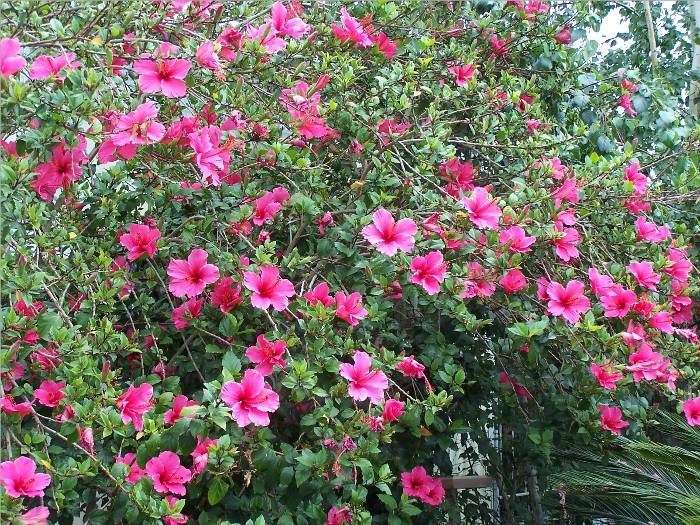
[{"x": 639, "y": 481}]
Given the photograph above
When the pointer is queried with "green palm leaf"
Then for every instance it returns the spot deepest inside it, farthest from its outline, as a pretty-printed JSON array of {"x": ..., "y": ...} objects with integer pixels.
[{"x": 640, "y": 482}]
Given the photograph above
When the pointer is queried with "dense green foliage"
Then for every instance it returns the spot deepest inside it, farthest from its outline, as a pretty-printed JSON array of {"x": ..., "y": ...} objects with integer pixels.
[{"x": 104, "y": 325}]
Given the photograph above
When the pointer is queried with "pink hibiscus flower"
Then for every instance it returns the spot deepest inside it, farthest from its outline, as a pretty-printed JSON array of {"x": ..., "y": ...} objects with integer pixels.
[
  {"x": 174, "y": 414},
  {"x": 19, "y": 478},
  {"x": 134, "y": 403},
  {"x": 266, "y": 35},
  {"x": 9, "y": 406},
  {"x": 513, "y": 281},
  {"x": 393, "y": 408},
  {"x": 140, "y": 239},
  {"x": 482, "y": 209},
  {"x": 566, "y": 244},
  {"x": 409, "y": 367},
  {"x": 50, "y": 393},
  {"x": 135, "y": 472},
  {"x": 419, "y": 484},
  {"x": 429, "y": 271},
  {"x": 225, "y": 295},
  {"x": 463, "y": 73},
  {"x": 649, "y": 231},
  {"x": 388, "y": 235},
  {"x": 600, "y": 284},
  {"x": 267, "y": 354},
  {"x": 285, "y": 23},
  {"x": 638, "y": 180},
  {"x": 138, "y": 127},
  {"x": 363, "y": 382},
  {"x": 569, "y": 302},
  {"x": 568, "y": 191},
  {"x": 183, "y": 314},
  {"x": 647, "y": 364},
  {"x": 691, "y": 408},
  {"x": 207, "y": 57},
  {"x": 679, "y": 267},
  {"x": 299, "y": 102},
  {"x": 338, "y": 516},
  {"x": 459, "y": 175},
  {"x": 10, "y": 61},
  {"x": 320, "y": 294},
  {"x": 268, "y": 289},
  {"x": 190, "y": 277},
  {"x": 211, "y": 158},
  {"x": 416, "y": 482},
  {"x": 45, "y": 66},
  {"x": 251, "y": 400},
  {"x": 36, "y": 516},
  {"x": 385, "y": 45},
  {"x": 167, "y": 473},
  {"x": 163, "y": 76},
  {"x": 266, "y": 207},
  {"x": 200, "y": 454},
  {"x": 516, "y": 240},
  {"x": 351, "y": 30},
  {"x": 644, "y": 273},
  {"x": 349, "y": 308},
  {"x": 61, "y": 170},
  {"x": 625, "y": 103},
  {"x": 662, "y": 321},
  {"x": 479, "y": 284},
  {"x": 611, "y": 419},
  {"x": 605, "y": 375},
  {"x": 618, "y": 301}
]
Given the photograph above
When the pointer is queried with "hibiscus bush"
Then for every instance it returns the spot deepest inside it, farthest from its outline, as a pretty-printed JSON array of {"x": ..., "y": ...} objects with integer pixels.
[{"x": 298, "y": 262}]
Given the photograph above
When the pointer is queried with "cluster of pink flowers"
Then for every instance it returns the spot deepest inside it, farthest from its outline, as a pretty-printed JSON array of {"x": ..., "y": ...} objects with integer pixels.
[
  {"x": 282, "y": 22},
  {"x": 625, "y": 101},
  {"x": 61, "y": 170},
  {"x": 361, "y": 34},
  {"x": 302, "y": 101},
  {"x": 419, "y": 484},
  {"x": 212, "y": 146}
]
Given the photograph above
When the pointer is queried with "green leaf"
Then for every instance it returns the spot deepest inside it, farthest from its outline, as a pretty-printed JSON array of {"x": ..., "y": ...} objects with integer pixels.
[
  {"x": 388, "y": 500},
  {"x": 217, "y": 490},
  {"x": 47, "y": 322},
  {"x": 231, "y": 363},
  {"x": 408, "y": 509},
  {"x": 365, "y": 466},
  {"x": 285, "y": 519}
]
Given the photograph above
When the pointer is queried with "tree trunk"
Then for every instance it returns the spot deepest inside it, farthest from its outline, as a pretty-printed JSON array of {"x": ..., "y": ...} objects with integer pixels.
[
  {"x": 651, "y": 34},
  {"x": 534, "y": 491},
  {"x": 694, "y": 92}
]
